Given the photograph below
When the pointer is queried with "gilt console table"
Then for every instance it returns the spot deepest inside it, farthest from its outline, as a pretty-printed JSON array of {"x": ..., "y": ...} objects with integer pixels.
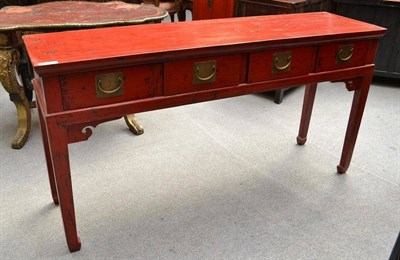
[
  {"x": 16, "y": 21},
  {"x": 86, "y": 82}
]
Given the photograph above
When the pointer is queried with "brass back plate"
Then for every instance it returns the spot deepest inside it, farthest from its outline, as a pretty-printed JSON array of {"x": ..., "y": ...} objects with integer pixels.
[
  {"x": 204, "y": 72},
  {"x": 109, "y": 85},
  {"x": 281, "y": 62}
]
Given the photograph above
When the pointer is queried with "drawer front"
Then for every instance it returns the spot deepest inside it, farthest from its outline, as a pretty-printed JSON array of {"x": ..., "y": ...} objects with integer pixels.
[
  {"x": 200, "y": 74},
  {"x": 281, "y": 63},
  {"x": 343, "y": 55},
  {"x": 104, "y": 87}
]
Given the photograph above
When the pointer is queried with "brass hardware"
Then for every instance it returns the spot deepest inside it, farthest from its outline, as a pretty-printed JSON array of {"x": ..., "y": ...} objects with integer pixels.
[
  {"x": 344, "y": 53},
  {"x": 281, "y": 62},
  {"x": 204, "y": 72},
  {"x": 209, "y": 3},
  {"x": 109, "y": 85}
]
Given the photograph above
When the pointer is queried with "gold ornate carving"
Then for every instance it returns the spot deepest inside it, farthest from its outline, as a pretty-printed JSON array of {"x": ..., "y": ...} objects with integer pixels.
[
  {"x": 8, "y": 59},
  {"x": 4, "y": 39},
  {"x": 24, "y": 123},
  {"x": 19, "y": 35}
]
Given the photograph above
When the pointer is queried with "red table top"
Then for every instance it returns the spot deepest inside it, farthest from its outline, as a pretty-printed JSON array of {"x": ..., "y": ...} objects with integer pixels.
[
  {"x": 150, "y": 40},
  {"x": 76, "y": 14}
]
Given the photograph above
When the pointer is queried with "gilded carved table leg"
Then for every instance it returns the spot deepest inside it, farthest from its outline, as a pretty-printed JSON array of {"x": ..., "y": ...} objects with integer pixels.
[
  {"x": 8, "y": 60},
  {"x": 133, "y": 124}
]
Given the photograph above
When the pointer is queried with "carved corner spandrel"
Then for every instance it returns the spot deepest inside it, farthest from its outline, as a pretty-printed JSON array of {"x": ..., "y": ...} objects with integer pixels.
[
  {"x": 82, "y": 132},
  {"x": 351, "y": 84}
]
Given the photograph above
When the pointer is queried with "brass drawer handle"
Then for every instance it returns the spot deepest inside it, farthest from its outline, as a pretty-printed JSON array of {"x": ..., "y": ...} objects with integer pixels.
[
  {"x": 109, "y": 85},
  {"x": 118, "y": 87},
  {"x": 281, "y": 62},
  {"x": 345, "y": 53},
  {"x": 204, "y": 72},
  {"x": 213, "y": 71}
]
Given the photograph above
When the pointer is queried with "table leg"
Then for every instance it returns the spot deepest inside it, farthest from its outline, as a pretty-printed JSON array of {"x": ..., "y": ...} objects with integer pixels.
[
  {"x": 49, "y": 162},
  {"x": 356, "y": 113},
  {"x": 278, "y": 96},
  {"x": 133, "y": 124},
  {"x": 26, "y": 72},
  {"x": 58, "y": 144},
  {"x": 8, "y": 60},
  {"x": 309, "y": 96}
]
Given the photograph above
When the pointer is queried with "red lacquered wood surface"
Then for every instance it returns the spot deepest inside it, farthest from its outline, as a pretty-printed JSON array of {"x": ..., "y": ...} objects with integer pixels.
[
  {"x": 78, "y": 85},
  {"x": 261, "y": 63},
  {"x": 327, "y": 55},
  {"x": 159, "y": 74},
  {"x": 122, "y": 45},
  {"x": 178, "y": 75},
  {"x": 212, "y": 9}
]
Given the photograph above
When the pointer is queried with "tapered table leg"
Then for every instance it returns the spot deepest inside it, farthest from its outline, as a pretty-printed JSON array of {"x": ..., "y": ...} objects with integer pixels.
[
  {"x": 278, "y": 96},
  {"x": 58, "y": 143},
  {"x": 356, "y": 113},
  {"x": 49, "y": 162},
  {"x": 8, "y": 60},
  {"x": 309, "y": 96}
]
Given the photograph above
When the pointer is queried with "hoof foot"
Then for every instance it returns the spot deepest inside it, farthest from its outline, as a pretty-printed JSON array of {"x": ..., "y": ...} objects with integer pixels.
[
  {"x": 341, "y": 169},
  {"x": 133, "y": 124},
  {"x": 301, "y": 141},
  {"x": 75, "y": 247}
]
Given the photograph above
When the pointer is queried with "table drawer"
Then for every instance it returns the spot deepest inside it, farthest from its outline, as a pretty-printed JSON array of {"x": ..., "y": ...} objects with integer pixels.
[
  {"x": 204, "y": 73},
  {"x": 343, "y": 55},
  {"x": 103, "y": 87},
  {"x": 281, "y": 63}
]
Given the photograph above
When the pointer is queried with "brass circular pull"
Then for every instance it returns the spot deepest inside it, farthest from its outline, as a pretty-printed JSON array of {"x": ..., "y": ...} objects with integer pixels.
[
  {"x": 278, "y": 62},
  {"x": 345, "y": 56},
  {"x": 106, "y": 91},
  {"x": 197, "y": 70}
]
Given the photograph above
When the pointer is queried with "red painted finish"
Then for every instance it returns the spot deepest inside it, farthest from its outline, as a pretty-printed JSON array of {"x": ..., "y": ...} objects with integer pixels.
[
  {"x": 327, "y": 55},
  {"x": 309, "y": 95},
  {"x": 179, "y": 74},
  {"x": 159, "y": 74},
  {"x": 49, "y": 161},
  {"x": 211, "y": 9},
  {"x": 302, "y": 63},
  {"x": 99, "y": 47},
  {"x": 138, "y": 79}
]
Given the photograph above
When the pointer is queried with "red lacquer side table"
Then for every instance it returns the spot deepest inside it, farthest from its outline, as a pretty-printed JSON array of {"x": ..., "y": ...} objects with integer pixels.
[{"x": 86, "y": 82}]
